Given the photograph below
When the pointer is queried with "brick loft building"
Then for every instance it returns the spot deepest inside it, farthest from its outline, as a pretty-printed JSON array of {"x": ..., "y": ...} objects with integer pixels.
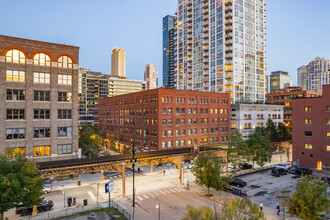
[
  {"x": 311, "y": 130},
  {"x": 38, "y": 99},
  {"x": 285, "y": 97},
  {"x": 161, "y": 119}
]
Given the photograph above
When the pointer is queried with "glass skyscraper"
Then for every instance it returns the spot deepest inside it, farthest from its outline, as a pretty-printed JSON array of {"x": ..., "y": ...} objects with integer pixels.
[
  {"x": 221, "y": 47},
  {"x": 168, "y": 51}
]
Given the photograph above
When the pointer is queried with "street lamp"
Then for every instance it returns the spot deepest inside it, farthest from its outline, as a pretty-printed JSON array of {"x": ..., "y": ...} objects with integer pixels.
[
  {"x": 133, "y": 166},
  {"x": 63, "y": 195}
]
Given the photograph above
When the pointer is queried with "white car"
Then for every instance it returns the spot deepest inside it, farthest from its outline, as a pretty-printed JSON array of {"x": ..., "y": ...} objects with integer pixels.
[
  {"x": 232, "y": 169},
  {"x": 189, "y": 166},
  {"x": 285, "y": 165},
  {"x": 46, "y": 190}
]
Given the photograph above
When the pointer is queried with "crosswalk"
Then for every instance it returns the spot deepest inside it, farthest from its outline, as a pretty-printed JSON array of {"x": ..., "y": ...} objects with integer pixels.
[{"x": 116, "y": 176}]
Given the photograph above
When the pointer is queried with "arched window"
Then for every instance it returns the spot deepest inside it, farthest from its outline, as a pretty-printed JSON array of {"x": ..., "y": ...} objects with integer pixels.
[
  {"x": 15, "y": 56},
  {"x": 64, "y": 62},
  {"x": 41, "y": 59}
]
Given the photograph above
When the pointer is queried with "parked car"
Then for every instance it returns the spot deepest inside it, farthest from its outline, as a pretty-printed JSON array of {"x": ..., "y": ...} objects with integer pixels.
[
  {"x": 245, "y": 166},
  {"x": 46, "y": 205},
  {"x": 294, "y": 170},
  {"x": 46, "y": 190},
  {"x": 285, "y": 165},
  {"x": 305, "y": 172},
  {"x": 189, "y": 166},
  {"x": 233, "y": 169},
  {"x": 238, "y": 182},
  {"x": 277, "y": 171}
]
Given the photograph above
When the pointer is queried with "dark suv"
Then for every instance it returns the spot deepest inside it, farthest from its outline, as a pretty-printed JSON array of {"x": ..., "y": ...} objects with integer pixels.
[
  {"x": 46, "y": 205},
  {"x": 276, "y": 171},
  {"x": 245, "y": 166},
  {"x": 238, "y": 182}
]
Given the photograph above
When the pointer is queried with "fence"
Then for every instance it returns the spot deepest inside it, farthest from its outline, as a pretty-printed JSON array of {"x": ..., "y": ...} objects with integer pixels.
[{"x": 76, "y": 210}]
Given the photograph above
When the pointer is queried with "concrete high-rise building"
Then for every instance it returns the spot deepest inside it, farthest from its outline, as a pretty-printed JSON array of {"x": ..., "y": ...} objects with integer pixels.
[
  {"x": 318, "y": 74},
  {"x": 151, "y": 76},
  {"x": 302, "y": 76},
  {"x": 221, "y": 48},
  {"x": 279, "y": 80},
  {"x": 38, "y": 99},
  {"x": 168, "y": 51},
  {"x": 118, "y": 63},
  {"x": 93, "y": 86}
]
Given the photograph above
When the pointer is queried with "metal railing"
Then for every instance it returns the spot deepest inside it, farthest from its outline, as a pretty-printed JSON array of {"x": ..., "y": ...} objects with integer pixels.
[{"x": 121, "y": 210}]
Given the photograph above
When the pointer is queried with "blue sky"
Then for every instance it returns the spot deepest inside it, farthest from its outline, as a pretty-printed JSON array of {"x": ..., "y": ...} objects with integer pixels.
[{"x": 297, "y": 30}]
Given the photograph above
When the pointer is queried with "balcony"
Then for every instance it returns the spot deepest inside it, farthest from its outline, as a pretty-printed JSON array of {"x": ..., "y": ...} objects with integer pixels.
[
  {"x": 228, "y": 15},
  {"x": 205, "y": 55},
  {"x": 229, "y": 34},
  {"x": 229, "y": 42},
  {"x": 229, "y": 8},
  {"x": 206, "y": 36},
  {"x": 229, "y": 69},
  {"x": 206, "y": 17},
  {"x": 228, "y": 28},
  {"x": 228, "y": 22},
  {"x": 228, "y": 55},
  {"x": 229, "y": 76},
  {"x": 189, "y": 36},
  {"x": 206, "y": 66},
  {"x": 228, "y": 2},
  {"x": 205, "y": 12},
  {"x": 228, "y": 49}
]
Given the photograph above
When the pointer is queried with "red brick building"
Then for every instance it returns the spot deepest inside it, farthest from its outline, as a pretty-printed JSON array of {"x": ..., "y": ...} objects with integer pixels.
[
  {"x": 164, "y": 119},
  {"x": 311, "y": 130},
  {"x": 285, "y": 97}
]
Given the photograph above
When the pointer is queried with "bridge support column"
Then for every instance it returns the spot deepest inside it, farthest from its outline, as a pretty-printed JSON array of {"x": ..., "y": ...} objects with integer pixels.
[
  {"x": 122, "y": 171},
  {"x": 178, "y": 161},
  {"x": 151, "y": 167}
]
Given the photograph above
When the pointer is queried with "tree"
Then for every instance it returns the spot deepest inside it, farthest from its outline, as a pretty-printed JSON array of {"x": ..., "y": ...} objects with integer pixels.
[
  {"x": 237, "y": 148},
  {"x": 271, "y": 130},
  {"x": 310, "y": 199},
  {"x": 283, "y": 197},
  {"x": 89, "y": 140},
  {"x": 207, "y": 170},
  {"x": 20, "y": 183},
  {"x": 258, "y": 148},
  {"x": 197, "y": 214},
  {"x": 283, "y": 131}
]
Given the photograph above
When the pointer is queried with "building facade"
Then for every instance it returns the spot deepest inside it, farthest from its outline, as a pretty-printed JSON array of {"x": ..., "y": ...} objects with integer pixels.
[
  {"x": 246, "y": 117},
  {"x": 118, "y": 63},
  {"x": 311, "y": 131},
  {"x": 168, "y": 51},
  {"x": 318, "y": 74},
  {"x": 279, "y": 80},
  {"x": 221, "y": 48},
  {"x": 285, "y": 97},
  {"x": 39, "y": 99},
  {"x": 95, "y": 85},
  {"x": 162, "y": 119},
  {"x": 151, "y": 76},
  {"x": 302, "y": 77}
]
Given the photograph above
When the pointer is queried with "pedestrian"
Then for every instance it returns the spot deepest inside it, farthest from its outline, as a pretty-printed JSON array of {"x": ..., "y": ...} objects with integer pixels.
[
  {"x": 138, "y": 169},
  {"x": 188, "y": 185},
  {"x": 164, "y": 172},
  {"x": 261, "y": 205},
  {"x": 278, "y": 209}
]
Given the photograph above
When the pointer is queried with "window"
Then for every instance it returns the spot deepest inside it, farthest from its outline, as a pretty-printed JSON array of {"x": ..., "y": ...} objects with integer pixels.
[
  {"x": 328, "y": 134},
  {"x": 42, "y": 96},
  {"x": 328, "y": 109},
  {"x": 183, "y": 132},
  {"x": 308, "y": 146},
  {"x": 169, "y": 122},
  {"x": 170, "y": 111},
  {"x": 64, "y": 96},
  {"x": 15, "y": 56},
  {"x": 15, "y": 75},
  {"x": 183, "y": 111},
  {"x": 247, "y": 125},
  {"x": 15, "y": 152},
  {"x": 189, "y": 110},
  {"x": 328, "y": 148},
  {"x": 308, "y": 121},
  {"x": 15, "y": 95},
  {"x": 41, "y": 132},
  {"x": 39, "y": 151},
  {"x": 164, "y": 121},
  {"x": 64, "y": 149},
  {"x": 41, "y": 114},
  {"x": 15, "y": 114},
  {"x": 177, "y": 133},
  {"x": 64, "y": 114},
  {"x": 64, "y": 79},
  {"x": 169, "y": 133},
  {"x": 328, "y": 121},
  {"x": 189, "y": 121},
  {"x": 308, "y": 108},
  {"x": 177, "y": 110},
  {"x": 41, "y": 77},
  {"x": 195, "y": 131},
  {"x": 64, "y": 62},
  {"x": 163, "y": 133},
  {"x": 308, "y": 134},
  {"x": 177, "y": 143},
  {"x": 64, "y": 131},
  {"x": 15, "y": 133},
  {"x": 164, "y": 111},
  {"x": 169, "y": 144},
  {"x": 195, "y": 111},
  {"x": 183, "y": 143},
  {"x": 164, "y": 144},
  {"x": 41, "y": 59}
]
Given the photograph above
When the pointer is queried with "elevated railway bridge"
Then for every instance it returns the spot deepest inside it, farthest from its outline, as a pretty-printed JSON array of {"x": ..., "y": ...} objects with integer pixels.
[{"x": 118, "y": 163}]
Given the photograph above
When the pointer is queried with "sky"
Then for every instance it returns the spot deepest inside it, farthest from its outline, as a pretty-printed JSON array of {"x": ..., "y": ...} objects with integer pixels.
[{"x": 297, "y": 30}]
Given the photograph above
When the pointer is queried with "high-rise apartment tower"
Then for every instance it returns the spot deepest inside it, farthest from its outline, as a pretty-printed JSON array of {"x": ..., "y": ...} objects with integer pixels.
[
  {"x": 318, "y": 71},
  {"x": 168, "y": 51},
  {"x": 118, "y": 62},
  {"x": 151, "y": 76},
  {"x": 221, "y": 47},
  {"x": 302, "y": 76},
  {"x": 279, "y": 80}
]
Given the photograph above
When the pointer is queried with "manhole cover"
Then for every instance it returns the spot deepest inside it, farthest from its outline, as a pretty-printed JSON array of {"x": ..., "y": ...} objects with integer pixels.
[
  {"x": 261, "y": 193},
  {"x": 254, "y": 186}
]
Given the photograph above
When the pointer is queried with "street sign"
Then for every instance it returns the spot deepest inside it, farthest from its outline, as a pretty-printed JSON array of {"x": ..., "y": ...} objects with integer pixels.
[{"x": 109, "y": 187}]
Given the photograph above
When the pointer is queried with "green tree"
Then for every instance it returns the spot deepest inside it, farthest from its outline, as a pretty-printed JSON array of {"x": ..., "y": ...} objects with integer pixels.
[
  {"x": 283, "y": 131},
  {"x": 258, "y": 148},
  {"x": 89, "y": 140},
  {"x": 237, "y": 148},
  {"x": 20, "y": 183},
  {"x": 310, "y": 199},
  {"x": 283, "y": 198},
  {"x": 240, "y": 209},
  {"x": 207, "y": 170},
  {"x": 271, "y": 129},
  {"x": 202, "y": 213}
]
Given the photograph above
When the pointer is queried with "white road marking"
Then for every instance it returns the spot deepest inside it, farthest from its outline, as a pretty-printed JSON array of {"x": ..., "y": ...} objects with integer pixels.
[
  {"x": 91, "y": 195},
  {"x": 140, "y": 198},
  {"x": 178, "y": 190},
  {"x": 181, "y": 189},
  {"x": 157, "y": 193},
  {"x": 162, "y": 192},
  {"x": 172, "y": 190},
  {"x": 147, "y": 197},
  {"x": 152, "y": 195},
  {"x": 167, "y": 191}
]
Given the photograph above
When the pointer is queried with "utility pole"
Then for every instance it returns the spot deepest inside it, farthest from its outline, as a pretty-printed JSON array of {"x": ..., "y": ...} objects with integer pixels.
[{"x": 133, "y": 166}]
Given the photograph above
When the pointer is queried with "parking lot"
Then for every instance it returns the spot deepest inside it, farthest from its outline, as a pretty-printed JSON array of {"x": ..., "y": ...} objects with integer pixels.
[{"x": 262, "y": 186}]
